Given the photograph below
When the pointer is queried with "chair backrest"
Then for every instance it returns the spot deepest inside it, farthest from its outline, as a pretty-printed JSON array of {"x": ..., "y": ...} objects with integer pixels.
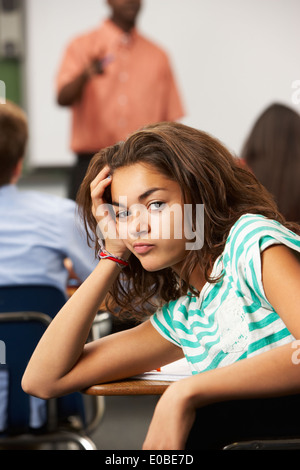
[
  {"x": 34, "y": 298},
  {"x": 25, "y": 312}
]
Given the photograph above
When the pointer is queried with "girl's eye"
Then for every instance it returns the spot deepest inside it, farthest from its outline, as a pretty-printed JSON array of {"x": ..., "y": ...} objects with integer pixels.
[
  {"x": 122, "y": 215},
  {"x": 156, "y": 206}
]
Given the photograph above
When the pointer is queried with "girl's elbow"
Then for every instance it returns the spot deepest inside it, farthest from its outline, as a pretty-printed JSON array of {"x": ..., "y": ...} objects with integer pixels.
[{"x": 36, "y": 388}]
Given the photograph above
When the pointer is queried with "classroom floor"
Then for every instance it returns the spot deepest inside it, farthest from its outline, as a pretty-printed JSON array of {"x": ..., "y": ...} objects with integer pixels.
[{"x": 125, "y": 422}]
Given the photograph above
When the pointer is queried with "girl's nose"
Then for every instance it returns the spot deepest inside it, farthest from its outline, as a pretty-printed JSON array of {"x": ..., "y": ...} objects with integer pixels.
[{"x": 139, "y": 223}]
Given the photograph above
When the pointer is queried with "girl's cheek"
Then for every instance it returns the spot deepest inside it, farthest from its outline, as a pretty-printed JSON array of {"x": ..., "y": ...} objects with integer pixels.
[
  {"x": 167, "y": 224},
  {"x": 155, "y": 223},
  {"x": 122, "y": 231}
]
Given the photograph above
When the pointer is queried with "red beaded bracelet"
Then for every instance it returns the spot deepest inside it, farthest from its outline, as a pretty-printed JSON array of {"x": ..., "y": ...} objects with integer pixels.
[{"x": 103, "y": 254}]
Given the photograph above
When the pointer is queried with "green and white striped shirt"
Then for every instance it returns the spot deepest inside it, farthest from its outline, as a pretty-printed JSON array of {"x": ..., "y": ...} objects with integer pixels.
[{"x": 232, "y": 319}]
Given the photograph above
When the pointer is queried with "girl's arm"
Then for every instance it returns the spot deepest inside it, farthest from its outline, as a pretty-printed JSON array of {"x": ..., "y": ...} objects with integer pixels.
[
  {"x": 63, "y": 363},
  {"x": 273, "y": 373}
]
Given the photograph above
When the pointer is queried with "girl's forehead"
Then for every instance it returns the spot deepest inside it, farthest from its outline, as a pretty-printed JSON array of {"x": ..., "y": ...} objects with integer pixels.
[
  {"x": 139, "y": 178},
  {"x": 142, "y": 168},
  {"x": 135, "y": 174}
]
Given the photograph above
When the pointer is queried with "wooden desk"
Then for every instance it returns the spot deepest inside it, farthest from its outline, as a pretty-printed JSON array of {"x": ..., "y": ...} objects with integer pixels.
[{"x": 129, "y": 387}]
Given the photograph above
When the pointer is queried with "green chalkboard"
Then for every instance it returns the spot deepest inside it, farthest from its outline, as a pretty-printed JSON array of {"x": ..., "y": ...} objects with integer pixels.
[{"x": 10, "y": 74}]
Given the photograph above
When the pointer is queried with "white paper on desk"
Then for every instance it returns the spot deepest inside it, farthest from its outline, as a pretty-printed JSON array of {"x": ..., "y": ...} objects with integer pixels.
[{"x": 171, "y": 372}]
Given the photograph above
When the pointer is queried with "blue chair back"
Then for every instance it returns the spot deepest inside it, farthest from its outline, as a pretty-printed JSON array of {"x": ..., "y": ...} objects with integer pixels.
[{"x": 19, "y": 339}]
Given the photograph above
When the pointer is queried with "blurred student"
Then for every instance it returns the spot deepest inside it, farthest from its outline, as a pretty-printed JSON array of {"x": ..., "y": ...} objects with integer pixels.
[
  {"x": 37, "y": 231},
  {"x": 272, "y": 152},
  {"x": 115, "y": 81}
]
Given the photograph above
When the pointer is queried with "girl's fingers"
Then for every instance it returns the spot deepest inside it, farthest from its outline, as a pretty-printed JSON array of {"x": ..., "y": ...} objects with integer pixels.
[
  {"x": 97, "y": 191},
  {"x": 99, "y": 184},
  {"x": 101, "y": 176}
]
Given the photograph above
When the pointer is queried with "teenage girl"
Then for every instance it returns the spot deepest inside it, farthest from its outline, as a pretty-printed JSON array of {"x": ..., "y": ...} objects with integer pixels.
[{"x": 230, "y": 306}]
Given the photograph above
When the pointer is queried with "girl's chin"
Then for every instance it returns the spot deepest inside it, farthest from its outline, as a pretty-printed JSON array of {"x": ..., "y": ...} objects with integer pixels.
[
  {"x": 153, "y": 263},
  {"x": 152, "y": 267}
]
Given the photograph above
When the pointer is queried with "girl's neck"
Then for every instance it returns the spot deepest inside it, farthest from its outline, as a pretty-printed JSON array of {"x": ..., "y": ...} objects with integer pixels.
[{"x": 197, "y": 278}]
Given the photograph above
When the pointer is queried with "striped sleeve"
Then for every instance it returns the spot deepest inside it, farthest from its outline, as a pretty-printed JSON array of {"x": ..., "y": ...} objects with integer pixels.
[
  {"x": 248, "y": 239},
  {"x": 162, "y": 320}
]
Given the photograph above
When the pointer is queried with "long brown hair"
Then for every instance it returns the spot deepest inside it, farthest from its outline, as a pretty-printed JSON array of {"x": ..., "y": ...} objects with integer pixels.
[
  {"x": 272, "y": 152},
  {"x": 207, "y": 174}
]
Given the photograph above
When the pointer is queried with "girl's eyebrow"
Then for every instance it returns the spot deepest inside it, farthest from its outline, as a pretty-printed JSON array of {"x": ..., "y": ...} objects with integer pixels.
[
  {"x": 142, "y": 196},
  {"x": 149, "y": 192}
]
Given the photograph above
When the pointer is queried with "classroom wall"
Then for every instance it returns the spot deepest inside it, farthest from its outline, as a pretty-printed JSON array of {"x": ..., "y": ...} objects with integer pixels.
[{"x": 231, "y": 59}]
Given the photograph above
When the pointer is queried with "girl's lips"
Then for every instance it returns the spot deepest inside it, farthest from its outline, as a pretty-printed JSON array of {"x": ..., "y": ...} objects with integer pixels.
[{"x": 141, "y": 248}]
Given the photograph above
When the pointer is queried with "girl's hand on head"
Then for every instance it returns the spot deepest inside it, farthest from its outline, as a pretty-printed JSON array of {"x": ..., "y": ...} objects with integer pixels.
[
  {"x": 104, "y": 214},
  {"x": 98, "y": 186}
]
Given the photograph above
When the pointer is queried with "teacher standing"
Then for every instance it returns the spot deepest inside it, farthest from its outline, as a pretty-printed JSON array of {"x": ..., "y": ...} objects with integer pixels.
[{"x": 115, "y": 81}]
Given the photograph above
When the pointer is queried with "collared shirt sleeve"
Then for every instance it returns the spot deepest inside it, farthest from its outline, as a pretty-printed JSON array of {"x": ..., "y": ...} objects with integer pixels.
[
  {"x": 174, "y": 109},
  {"x": 75, "y": 59},
  {"x": 74, "y": 241}
]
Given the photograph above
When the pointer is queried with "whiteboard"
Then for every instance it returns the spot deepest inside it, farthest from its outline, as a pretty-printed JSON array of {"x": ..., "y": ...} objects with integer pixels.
[{"x": 231, "y": 59}]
